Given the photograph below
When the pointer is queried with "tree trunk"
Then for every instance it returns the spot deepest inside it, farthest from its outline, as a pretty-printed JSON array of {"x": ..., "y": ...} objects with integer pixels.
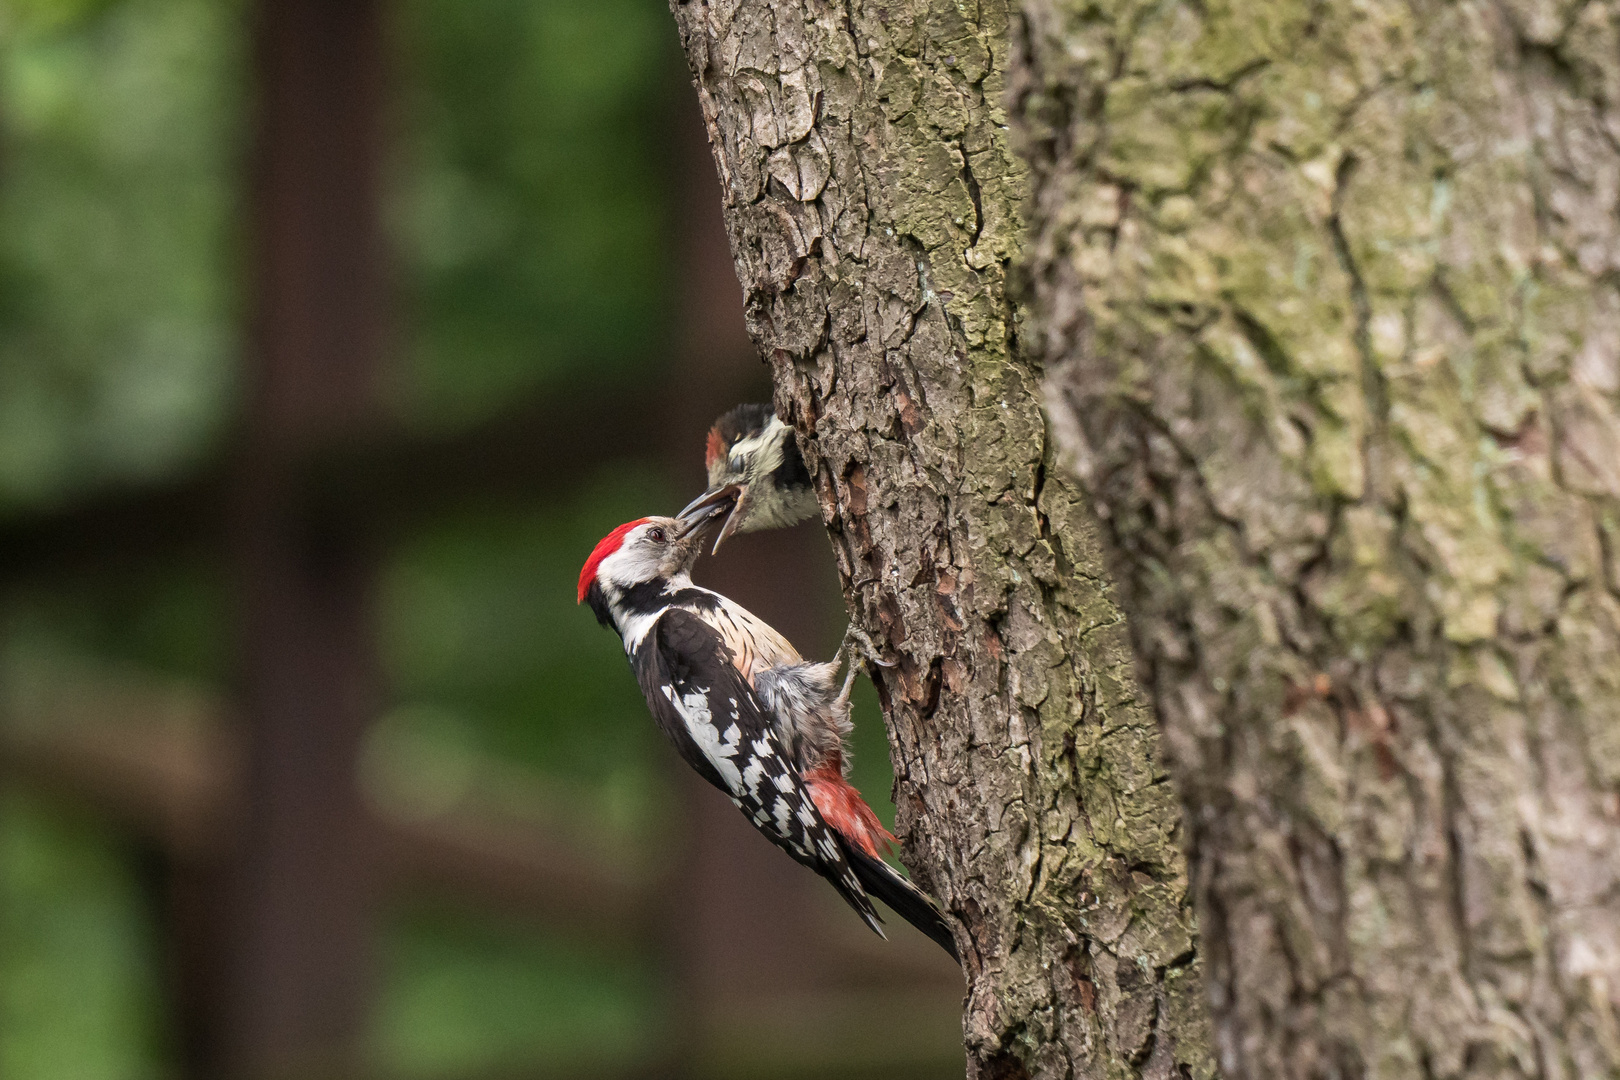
[
  {"x": 872, "y": 202},
  {"x": 1334, "y": 291}
]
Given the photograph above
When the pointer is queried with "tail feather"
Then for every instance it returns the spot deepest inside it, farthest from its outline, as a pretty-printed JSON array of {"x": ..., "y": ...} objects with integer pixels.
[{"x": 907, "y": 901}]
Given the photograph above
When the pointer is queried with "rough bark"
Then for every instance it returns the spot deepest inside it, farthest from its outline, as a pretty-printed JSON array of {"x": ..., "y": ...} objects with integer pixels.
[
  {"x": 872, "y": 202},
  {"x": 1335, "y": 291}
]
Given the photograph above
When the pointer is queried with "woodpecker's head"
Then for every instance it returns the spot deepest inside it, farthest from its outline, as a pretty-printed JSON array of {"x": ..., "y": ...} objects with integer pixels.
[
  {"x": 756, "y": 474},
  {"x": 636, "y": 564}
]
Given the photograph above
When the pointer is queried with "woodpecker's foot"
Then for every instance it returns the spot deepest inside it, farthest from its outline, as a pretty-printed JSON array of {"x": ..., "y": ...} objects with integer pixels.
[
  {"x": 856, "y": 637},
  {"x": 869, "y": 652}
]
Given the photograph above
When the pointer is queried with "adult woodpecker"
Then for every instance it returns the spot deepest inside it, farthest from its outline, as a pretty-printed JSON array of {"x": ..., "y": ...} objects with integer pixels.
[
  {"x": 747, "y": 712},
  {"x": 756, "y": 472}
]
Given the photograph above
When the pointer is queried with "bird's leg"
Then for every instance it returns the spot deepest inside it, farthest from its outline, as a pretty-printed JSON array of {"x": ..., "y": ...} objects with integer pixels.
[
  {"x": 857, "y": 638},
  {"x": 841, "y": 702}
]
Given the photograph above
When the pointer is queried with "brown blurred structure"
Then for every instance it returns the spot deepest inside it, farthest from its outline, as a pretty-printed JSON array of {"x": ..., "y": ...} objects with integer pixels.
[
  {"x": 297, "y": 891},
  {"x": 271, "y": 862}
]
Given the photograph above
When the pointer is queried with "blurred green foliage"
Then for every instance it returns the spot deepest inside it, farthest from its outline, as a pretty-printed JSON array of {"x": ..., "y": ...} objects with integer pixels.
[
  {"x": 121, "y": 128},
  {"x": 532, "y": 197},
  {"x": 76, "y": 963},
  {"x": 529, "y": 210},
  {"x": 466, "y": 996},
  {"x": 530, "y": 206}
]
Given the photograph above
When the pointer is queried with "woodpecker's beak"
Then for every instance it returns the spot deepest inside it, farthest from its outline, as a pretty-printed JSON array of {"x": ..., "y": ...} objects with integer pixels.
[
  {"x": 727, "y": 500},
  {"x": 702, "y": 511}
]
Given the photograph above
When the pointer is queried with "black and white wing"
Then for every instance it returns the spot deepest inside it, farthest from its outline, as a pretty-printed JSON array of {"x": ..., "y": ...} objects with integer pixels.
[{"x": 708, "y": 710}]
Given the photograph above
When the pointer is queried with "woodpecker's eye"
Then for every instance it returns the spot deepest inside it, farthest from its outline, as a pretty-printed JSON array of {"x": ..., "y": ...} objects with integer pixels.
[{"x": 656, "y": 534}]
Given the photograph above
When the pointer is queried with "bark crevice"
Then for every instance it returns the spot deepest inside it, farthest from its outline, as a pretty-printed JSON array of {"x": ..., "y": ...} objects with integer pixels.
[{"x": 875, "y": 207}]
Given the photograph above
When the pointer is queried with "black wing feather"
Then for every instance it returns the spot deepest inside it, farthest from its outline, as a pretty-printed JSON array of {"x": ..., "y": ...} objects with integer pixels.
[
  {"x": 708, "y": 710},
  {"x": 909, "y": 902}
]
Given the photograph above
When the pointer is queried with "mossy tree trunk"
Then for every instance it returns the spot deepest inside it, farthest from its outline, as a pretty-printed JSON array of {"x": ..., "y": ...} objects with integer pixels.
[
  {"x": 872, "y": 202},
  {"x": 1335, "y": 289}
]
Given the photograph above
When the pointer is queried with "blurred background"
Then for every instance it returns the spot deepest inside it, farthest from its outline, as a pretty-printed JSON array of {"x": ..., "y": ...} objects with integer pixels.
[{"x": 332, "y": 337}]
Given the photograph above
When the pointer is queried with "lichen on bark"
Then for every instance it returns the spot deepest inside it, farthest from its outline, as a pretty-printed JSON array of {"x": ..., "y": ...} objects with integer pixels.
[
  {"x": 874, "y": 209},
  {"x": 1330, "y": 294}
]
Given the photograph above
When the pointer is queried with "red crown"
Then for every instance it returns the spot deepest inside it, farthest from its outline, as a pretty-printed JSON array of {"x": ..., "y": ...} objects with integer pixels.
[{"x": 607, "y": 546}]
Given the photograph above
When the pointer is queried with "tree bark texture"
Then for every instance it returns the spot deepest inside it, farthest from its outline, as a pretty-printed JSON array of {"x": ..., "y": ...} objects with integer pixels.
[
  {"x": 1334, "y": 292},
  {"x": 873, "y": 206}
]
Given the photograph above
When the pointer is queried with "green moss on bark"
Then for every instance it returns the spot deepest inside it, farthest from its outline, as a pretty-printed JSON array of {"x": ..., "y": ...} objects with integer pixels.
[
  {"x": 1334, "y": 291},
  {"x": 873, "y": 202}
]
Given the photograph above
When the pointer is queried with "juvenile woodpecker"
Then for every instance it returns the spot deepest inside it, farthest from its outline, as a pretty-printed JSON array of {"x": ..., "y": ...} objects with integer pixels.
[
  {"x": 756, "y": 472},
  {"x": 746, "y": 711}
]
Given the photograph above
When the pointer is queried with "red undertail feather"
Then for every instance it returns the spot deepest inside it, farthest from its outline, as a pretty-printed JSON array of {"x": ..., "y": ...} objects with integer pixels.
[
  {"x": 715, "y": 448},
  {"x": 607, "y": 546},
  {"x": 843, "y": 808}
]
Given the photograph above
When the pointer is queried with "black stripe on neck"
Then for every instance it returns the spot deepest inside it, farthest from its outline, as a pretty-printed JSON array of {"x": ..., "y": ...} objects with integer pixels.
[
  {"x": 645, "y": 597},
  {"x": 597, "y": 599}
]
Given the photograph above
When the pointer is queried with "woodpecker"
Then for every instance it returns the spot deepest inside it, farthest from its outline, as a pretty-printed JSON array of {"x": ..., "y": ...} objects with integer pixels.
[
  {"x": 756, "y": 472},
  {"x": 747, "y": 712}
]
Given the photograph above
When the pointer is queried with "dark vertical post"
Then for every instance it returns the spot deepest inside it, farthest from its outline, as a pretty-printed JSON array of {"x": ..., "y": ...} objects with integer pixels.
[{"x": 295, "y": 965}]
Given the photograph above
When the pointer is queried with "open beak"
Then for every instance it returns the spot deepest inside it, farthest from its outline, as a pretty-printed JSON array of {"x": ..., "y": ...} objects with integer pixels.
[{"x": 704, "y": 509}]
